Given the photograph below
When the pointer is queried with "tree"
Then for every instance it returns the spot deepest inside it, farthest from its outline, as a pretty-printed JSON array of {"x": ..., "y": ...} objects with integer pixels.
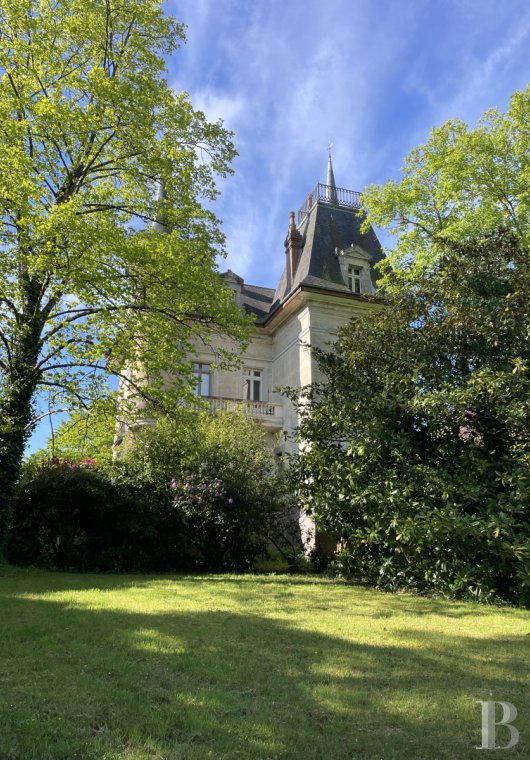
[
  {"x": 419, "y": 456},
  {"x": 89, "y": 129},
  {"x": 461, "y": 185},
  {"x": 87, "y": 433}
]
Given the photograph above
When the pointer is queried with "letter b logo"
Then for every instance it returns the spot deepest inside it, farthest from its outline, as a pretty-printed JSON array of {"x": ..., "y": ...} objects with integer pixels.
[{"x": 509, "y": 714}]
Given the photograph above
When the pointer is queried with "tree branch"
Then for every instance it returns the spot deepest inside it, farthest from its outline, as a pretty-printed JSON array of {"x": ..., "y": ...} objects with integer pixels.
[
  {"x": 12, "y": 308},
  {"x": 48, "y": 414},
  {"x": 62, "y": 347}
]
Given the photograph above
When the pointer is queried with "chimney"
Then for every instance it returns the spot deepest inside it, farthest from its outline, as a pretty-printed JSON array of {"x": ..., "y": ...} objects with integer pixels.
[{"x": 293, "y": 250}]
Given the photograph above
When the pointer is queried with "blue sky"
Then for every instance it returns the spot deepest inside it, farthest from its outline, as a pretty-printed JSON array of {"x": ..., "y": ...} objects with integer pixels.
[{"x": 370, "y": 76}]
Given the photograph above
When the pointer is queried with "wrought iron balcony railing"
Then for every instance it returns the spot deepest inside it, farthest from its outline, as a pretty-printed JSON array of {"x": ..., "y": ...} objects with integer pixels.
[{"x": 338, "y": 196}]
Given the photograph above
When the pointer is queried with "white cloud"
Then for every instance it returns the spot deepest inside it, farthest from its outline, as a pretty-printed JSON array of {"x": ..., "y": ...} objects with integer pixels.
[
  {"x": 217, "y": 106},
  {"x": 372, "y": 78},
  {"x": 485, "y": 75}
]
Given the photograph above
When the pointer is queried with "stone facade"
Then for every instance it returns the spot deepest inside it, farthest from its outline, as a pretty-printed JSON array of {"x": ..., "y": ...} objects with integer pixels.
[{"x": 329, "y": 269}]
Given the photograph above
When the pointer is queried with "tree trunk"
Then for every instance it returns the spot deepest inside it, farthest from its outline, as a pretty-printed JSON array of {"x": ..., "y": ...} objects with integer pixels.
[{"x": 16, "y": 410}]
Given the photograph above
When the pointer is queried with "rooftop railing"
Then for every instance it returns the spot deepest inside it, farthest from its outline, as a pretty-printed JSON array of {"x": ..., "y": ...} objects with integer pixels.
[{"x": 337, "y": 196}]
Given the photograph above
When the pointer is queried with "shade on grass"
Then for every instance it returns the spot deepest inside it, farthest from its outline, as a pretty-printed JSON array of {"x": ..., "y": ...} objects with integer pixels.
[{"x": 137, "y": 668}]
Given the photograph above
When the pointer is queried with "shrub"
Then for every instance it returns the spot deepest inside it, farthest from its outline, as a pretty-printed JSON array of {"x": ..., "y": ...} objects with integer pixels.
[
  {"x": 195, "y": 492},
  {"x": 220, "y": 473},
  {"x": 219, "y": 528},
  {"x": 78, "y": 516}
]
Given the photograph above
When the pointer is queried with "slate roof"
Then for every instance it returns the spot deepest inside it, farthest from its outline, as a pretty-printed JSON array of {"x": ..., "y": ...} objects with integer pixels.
[
  {"x": 327, "y": 228},
  {"x": 257, "y": 300}
]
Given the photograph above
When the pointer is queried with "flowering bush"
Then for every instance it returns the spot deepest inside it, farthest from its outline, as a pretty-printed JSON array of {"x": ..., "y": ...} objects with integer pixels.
[
  {"x": 222, "y": 481},
  {"x": 220, "y": 528},
  {"x": 69, "y": 462},
  {"x": 196, "y": 492}
]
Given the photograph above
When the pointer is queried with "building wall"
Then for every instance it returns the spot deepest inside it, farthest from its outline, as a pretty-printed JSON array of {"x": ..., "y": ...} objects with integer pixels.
[
  {"x": 228, "y": 383},
  {"x": 314, "y": 324},
  {"x": 281, "y": 350}
]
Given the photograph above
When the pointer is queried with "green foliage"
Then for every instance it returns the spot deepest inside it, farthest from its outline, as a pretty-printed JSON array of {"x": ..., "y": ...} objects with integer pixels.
[
  {"x": 85, "y": 434},
  {"x": 220, "y": 529},
  {"x": 461, "y": 184},
  {"x": 196, "y": 492},
  {"x": 78, "y": 516},
  {"x": 419, "y": 456},
  {"x": 420, "y": 459},
  {"x": 88, "y": 286},
  {"x": 219, "y": 472}
]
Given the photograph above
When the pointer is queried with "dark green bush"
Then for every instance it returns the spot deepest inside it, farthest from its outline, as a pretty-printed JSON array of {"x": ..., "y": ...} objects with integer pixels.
[
  {"x": 418, "y": 460},
  {"x": 221, "y": 530},
  {"x": 82, "y": 517},
  {"x": 195, "y": 492}
]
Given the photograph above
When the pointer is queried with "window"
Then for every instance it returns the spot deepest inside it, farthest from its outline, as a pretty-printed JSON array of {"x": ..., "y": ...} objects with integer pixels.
[
  {"x": 355, "y": 267},
  {"x": 252, "y": 384},
  {"x": 201, "y": 373},
  {"x": 354, "y": 278}
]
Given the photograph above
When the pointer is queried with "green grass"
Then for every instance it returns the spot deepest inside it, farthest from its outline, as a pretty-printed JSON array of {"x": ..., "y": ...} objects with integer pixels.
[{"x": 137, "y": 667}]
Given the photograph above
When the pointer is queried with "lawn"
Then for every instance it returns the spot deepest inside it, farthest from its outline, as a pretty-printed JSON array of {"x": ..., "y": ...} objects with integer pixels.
[{"x": 225, "y": 666}]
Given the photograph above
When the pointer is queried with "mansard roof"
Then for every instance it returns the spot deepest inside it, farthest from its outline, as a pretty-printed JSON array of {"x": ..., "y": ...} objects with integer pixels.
[
  {"x": 253, "y": 298},
  {"x": 257, "y": 300},
  {"x": 329, "y": 223}
]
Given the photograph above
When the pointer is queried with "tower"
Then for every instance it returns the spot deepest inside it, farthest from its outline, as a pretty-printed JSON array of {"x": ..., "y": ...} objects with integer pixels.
[
  {"x": 329, "y": 272},
  {"x": 327, "y": 275}
]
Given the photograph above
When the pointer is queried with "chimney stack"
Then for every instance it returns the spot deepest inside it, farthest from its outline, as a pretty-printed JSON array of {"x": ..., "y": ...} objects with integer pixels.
[{"x": 293, "y": 250}]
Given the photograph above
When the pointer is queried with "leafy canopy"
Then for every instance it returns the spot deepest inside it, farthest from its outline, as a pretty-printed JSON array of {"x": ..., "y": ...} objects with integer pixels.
[
  {"x": 89, "y": 287},
  {"x": 419, "y": 454},
  {"x": 462, "y": 183},
  {"x": 89, "y": 126},
  {"x": 85, "y": 434}
]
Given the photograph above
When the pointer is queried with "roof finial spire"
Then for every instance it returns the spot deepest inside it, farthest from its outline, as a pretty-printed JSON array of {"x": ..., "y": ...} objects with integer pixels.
[{"x": 330, "y": 179}]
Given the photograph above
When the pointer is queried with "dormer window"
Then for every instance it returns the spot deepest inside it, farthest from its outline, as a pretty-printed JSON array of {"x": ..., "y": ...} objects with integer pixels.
[
  {"x": 355, "y": 266},
  {"x": 355, "y": 279}
]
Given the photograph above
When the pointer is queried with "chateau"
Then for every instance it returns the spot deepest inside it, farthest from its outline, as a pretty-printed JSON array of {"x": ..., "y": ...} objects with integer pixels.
[{"x": 329, "y": 266}]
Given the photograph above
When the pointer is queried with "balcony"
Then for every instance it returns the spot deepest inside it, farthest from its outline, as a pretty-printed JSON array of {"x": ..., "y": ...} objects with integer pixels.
[{"x": 266, "y": 412}]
